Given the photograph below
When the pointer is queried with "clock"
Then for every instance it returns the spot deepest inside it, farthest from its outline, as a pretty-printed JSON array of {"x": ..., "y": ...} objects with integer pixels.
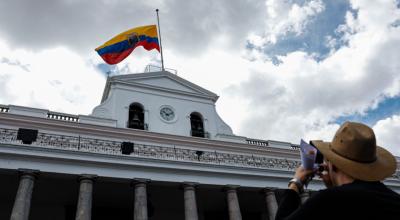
[{"x": 167, "y": 113}]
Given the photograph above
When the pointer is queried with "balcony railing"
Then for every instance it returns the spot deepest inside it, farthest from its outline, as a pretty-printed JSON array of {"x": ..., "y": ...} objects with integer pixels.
[
  {"x": 4, "y": 108},
  {"x": 265, "y": 143},
  {"x": 175, "y": 153},
  {"x": 152, "y": 68},
  {"x": 257, "y": 142},
  {"x": 202, "y": 134},
  {"x": 62, "y": 116},
  {"x": 132, "y": 125}
]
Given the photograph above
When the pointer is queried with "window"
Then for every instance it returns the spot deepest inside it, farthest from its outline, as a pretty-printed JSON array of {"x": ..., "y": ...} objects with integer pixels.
[
  {"x": 136, "y": 116},
  {"x": 196, "y": 124}
]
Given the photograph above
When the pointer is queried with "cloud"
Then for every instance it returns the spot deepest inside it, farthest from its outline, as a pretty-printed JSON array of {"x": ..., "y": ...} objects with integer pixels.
[
  {"x": 48, "y": 80},
  {"x": 80, "y": 25},
  {"x": 387, "y": 133},
  {"x": 302, "y": 96},
  {"x": 285, "y": 17},
  {"x": 187, "y": 27},
  {"x": 299, "y": 26}
]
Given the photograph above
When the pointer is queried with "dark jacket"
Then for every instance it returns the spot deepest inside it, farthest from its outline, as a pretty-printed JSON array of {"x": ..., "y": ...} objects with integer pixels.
[{"x": 357, "y": 200}]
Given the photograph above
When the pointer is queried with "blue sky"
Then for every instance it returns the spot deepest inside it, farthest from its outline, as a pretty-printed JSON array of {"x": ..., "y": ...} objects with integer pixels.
[
  {"x": 313, "y": 39},
  {"x": 386, "y": 108}
]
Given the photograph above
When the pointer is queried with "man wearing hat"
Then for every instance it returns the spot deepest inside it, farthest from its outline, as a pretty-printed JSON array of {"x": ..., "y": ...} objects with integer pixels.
[{"x": 354, "y": 168}]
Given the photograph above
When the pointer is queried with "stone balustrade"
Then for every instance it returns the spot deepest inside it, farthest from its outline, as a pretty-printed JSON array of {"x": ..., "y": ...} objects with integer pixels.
[
  {"x": 257, "y": 142},
  {"x": 62, "y": 116},
  {"x": 177, "y": 153},
  {"x": 4, "y": 108}
]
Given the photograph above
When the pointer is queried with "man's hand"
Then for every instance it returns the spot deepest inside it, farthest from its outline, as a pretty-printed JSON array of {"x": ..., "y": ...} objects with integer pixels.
[
  {"x": 324, "y": 175},
  {"x": 302, "y": 174}
]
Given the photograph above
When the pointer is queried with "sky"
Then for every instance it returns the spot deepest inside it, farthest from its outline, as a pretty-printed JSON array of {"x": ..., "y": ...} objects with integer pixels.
[{"x": 284, "y": 69}]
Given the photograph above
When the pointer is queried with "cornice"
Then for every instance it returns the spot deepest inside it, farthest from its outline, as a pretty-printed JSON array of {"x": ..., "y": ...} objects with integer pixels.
[
  {"x": 132, "y": 86},
  {"x": 161, "y": 74},
  {"x": 123, "y": 79}
]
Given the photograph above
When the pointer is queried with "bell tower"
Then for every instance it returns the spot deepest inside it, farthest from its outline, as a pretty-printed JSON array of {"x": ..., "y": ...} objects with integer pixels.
[
  {"x": 136, "y": 116},
  {"x": 162, "y": 102}
]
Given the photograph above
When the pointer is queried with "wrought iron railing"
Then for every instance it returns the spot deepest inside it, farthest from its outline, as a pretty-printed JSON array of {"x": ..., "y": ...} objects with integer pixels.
[
  {"x": 176, "y": 153},
  {"x": 202, "y": 134},
  {"x": 130, "y": 124}
]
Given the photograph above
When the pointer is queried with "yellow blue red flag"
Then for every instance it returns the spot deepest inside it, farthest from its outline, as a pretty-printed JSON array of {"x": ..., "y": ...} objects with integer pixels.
[{"x": 119, "y": 47}]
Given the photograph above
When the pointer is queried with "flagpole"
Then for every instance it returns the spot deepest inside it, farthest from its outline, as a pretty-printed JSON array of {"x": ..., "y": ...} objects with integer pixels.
[{"x": 159, "y": 34}]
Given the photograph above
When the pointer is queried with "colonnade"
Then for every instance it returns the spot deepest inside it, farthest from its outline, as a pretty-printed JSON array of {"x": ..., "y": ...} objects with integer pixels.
[{"x": 22, "y": 202}]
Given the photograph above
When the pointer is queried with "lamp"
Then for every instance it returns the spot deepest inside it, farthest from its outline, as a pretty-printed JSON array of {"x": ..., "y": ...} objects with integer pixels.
[
  {"x": 199, "y": 153},
  {"x": 27, "y": 136},
  {"x": 127, "y": 147}
]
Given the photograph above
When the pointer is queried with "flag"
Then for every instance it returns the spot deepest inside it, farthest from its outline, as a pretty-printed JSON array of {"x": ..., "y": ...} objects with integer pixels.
[{"x": 119, "y": 47}]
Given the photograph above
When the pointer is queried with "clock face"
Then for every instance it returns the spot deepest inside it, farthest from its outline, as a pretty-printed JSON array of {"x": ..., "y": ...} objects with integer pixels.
[{"x": 167, "y": 113}]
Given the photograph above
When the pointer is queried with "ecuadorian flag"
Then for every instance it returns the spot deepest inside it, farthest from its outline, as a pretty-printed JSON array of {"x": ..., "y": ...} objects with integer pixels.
[{"x": 119, "y": 47}]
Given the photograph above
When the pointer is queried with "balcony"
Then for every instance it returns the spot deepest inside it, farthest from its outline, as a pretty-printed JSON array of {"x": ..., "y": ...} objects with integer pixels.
[
  {"x": 202, "y": 134},
  {"x": 139, "y": 126},
  {"x": 176, "y": 153},
  {"x": 4, "y": 108}
]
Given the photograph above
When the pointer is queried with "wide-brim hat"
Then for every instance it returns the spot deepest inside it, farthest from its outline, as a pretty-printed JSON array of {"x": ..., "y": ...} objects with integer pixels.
[{"x": 354, "y": 151}]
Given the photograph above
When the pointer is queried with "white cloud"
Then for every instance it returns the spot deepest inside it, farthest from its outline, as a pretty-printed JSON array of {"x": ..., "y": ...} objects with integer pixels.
[
  {"x": 387, "y": 133},
  {"x": 376, "y": 14},
  {"x": 55, "y": 79},
  {"x": 188, "y": 27},
  {"x": 287, "y": 17},
  {"x": 301, "y": 97}
]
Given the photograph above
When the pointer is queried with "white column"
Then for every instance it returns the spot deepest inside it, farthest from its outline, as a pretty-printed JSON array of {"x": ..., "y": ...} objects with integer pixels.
[
  {"x": 233, "y": 203},
  {"x": 84, "y": 207},
  {"x": 22, "y": 201},
  {"x": 189, "y": 193},
  {"x": 140, "y": 203},
  {"x": 272, "y": 205}
]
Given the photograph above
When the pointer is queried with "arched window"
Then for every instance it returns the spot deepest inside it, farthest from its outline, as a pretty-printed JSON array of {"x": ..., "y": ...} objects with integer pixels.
[
  {"x": 196, "y": 124},
  {"x": 136, "y": 116}
]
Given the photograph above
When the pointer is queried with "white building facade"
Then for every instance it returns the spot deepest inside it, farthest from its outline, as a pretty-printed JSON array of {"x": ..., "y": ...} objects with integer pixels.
[{"x": 155, "y": 148}]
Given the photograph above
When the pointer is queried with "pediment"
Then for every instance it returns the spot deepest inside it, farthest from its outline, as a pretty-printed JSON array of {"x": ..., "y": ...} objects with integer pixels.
[{"x": 165, "y": 81}]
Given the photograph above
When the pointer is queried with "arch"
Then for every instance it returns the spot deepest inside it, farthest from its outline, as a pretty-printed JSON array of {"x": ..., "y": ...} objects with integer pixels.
[
  {"x": 136, "y": 116},
  {"x": 196, "y": 125}
]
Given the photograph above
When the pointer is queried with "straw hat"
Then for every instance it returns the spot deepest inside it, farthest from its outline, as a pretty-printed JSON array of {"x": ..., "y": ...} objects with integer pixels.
[{"x": 354, "y": 151}]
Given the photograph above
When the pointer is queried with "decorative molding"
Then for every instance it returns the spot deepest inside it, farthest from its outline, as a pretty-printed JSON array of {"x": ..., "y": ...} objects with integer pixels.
[
  {"x": 178, "y": 153},
  {"x": 144, "y": 136}
]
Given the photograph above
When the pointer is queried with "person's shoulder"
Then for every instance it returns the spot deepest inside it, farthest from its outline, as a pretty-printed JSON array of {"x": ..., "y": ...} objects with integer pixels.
[
  {"x": 338, "y": 192},
  {"x": 348, "y": 188},
  {"x": 356, "y": 191}
]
